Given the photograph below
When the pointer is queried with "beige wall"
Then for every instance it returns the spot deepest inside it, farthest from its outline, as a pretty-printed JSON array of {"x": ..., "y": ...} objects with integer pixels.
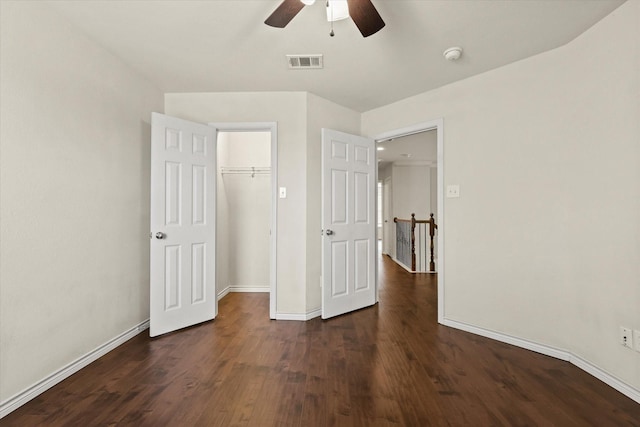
[
  {"x": 74, "y": 201},
  {"x": 544, "y": 242},
  {"x": 411, "y": 191}
]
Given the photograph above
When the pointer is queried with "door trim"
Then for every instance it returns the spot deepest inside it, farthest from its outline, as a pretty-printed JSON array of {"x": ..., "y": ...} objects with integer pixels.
[
  {"x": 273, "y": 128},
  {"x": 386, "y": 202},
  {"x": 438, "y": 126}
]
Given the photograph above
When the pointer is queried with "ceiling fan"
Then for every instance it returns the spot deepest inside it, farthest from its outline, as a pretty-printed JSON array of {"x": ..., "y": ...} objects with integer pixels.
[{"x": 362, "y": 12}]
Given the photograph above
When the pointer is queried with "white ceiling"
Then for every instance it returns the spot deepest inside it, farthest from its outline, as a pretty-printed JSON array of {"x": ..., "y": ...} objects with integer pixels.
[{"x": 223, "y": 45}]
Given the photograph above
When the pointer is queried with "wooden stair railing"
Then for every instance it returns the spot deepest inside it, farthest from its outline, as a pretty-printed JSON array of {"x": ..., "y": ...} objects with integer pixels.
[{"x": 432, "y": 231}]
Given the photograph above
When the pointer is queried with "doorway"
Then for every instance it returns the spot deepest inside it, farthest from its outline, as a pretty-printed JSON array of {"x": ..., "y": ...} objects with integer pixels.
[
  {"x": 407, "y": 170},
  {"x": 437, "y": 126},
  {"x": 243, "y": 206},
  {"x": 247, "y": 216}
]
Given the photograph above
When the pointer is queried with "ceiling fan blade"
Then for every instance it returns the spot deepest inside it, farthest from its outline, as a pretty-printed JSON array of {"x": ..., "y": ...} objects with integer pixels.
[
  {"x": 284, "y": 13},
  {"x": 365, "y": 16}
]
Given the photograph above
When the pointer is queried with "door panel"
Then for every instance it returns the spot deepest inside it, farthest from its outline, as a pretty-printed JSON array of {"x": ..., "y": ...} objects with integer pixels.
[
  {"x": 182, "y": 218},
  {"x": 362, "y": 255},
  {"x": 348, "y": 221}
]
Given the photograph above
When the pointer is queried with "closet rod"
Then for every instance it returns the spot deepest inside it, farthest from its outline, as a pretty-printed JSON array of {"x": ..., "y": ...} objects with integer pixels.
[{"x": 253, "y": 171}]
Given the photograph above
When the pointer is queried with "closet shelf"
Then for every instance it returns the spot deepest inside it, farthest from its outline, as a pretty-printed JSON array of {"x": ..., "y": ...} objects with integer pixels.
[{"x": 246, "y": 170}]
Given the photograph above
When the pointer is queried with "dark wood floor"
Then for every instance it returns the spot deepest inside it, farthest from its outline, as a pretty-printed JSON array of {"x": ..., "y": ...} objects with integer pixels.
[{"x": 391, "y": 364}]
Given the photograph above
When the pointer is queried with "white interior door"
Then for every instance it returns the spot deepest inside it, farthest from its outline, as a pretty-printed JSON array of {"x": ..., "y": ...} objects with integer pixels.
[
  {"x": 183, "y": 174},
  {"x": 348, "y": 222}
]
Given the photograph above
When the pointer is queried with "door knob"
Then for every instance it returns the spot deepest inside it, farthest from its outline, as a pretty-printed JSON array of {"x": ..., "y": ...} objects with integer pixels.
[
  {"x": 329, "y": 232},
  {"x": 160, "y": 235}
]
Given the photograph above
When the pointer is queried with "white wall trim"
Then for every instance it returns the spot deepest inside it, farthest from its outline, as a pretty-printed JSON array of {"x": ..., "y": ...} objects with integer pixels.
[
  {"x": 65, "y": 372},
  {"x": 273, "y": 263},
  {"x": 397, "y": 261},
  {"x": 249, "y": 289},
  {"x": 408, "y": 130},
  {"x": 568, "y": 356},
  {"x": 303, "y": 317},
  {"x": 223, "y": 293},
  {"x": 624, "y": 388}
]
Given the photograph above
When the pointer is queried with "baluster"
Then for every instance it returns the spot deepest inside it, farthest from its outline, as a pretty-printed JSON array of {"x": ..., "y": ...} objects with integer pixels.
[
  {"x": 432, "y": 228},
  {"x": 413, "y": 242},
  {"x": 423, "y": 248}
]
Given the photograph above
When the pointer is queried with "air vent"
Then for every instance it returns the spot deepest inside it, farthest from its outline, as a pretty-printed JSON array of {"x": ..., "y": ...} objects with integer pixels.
[{"x": 304, "y": 62}]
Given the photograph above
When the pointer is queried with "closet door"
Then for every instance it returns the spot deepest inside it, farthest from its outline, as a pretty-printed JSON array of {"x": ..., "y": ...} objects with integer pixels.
[{"x": 183, "y": 194}]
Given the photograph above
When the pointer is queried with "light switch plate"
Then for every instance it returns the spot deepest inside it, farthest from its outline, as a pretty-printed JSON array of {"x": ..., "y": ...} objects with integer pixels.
[
  {"x": 283, "y": 192},
  {"x": 453, "y": 190}
]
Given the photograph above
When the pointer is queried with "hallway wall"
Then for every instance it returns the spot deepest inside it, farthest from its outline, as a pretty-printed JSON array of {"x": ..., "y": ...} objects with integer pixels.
[{"x": 411, "y": 191}]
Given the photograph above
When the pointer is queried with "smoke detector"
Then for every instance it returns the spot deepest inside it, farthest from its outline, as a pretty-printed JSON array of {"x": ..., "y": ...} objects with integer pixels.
[{"x": 453, "y": 53}]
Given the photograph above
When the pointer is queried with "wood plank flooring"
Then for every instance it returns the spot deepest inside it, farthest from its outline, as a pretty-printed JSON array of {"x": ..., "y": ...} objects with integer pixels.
[{"x": 387, "y": 365}]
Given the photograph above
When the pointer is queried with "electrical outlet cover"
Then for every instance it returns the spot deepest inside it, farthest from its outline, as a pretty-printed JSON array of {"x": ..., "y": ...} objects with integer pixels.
[
  {"x": 626, "y": 337},
  {"x": 453, "y": 190},
  {"x": 636, "y": 339}
]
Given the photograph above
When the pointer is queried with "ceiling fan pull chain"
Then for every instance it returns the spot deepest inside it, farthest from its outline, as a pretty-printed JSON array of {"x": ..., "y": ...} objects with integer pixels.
[{"x": 331, "y": 33}]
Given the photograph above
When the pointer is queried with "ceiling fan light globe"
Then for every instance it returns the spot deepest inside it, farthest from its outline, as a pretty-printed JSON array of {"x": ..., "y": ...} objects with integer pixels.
[
  {"x": 337, "y": 10},
  {"x": 308, "y": 2}
]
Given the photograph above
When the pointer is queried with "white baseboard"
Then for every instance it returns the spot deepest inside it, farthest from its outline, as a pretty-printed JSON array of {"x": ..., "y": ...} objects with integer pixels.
[
  {"x": 299, "y": 316},
  {"x": 223, "y": 293},
  {"x": 410, "y": 270},
  {"x": 249, "y": 289},
  {"x": 624, "y": 388},
  {"x": 401, "y": 264},
  {"x": 588, "y": 367},
  {"x": 40, "y": 387}
]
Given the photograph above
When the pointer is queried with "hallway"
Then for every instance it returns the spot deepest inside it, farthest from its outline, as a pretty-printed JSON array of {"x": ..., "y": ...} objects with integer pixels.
[{"x": 390, "y": 364}]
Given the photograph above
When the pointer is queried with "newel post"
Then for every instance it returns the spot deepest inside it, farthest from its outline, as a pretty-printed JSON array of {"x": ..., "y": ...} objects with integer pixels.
[{"x": 432, "y": 232}]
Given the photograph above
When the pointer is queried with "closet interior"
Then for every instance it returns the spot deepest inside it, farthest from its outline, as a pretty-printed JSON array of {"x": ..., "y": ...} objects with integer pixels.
[{"x": 243, "y": 212}]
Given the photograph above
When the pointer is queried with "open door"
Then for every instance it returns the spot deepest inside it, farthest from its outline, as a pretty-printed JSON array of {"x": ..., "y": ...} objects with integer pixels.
[
  {"x": 182, "y": 276},
  {"x": 348, "y": 223}
]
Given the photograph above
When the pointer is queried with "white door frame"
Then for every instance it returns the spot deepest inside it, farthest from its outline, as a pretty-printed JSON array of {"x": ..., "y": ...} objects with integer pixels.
[
  {"x": 438, "y": 126},
  {"x": 271, "y": 127},
  {"x": 386, "y": 226}
]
